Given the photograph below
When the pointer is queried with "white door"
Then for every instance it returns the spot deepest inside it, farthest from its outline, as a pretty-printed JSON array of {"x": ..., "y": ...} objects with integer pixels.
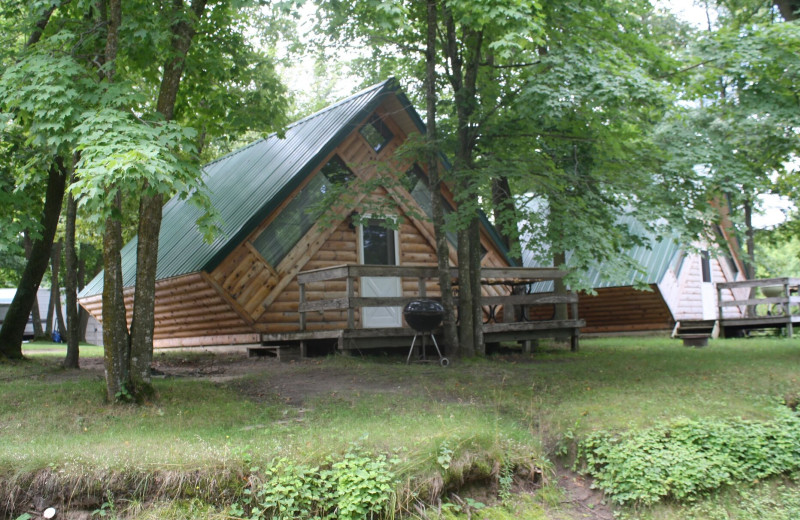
[{"x": 378, "y": 246}]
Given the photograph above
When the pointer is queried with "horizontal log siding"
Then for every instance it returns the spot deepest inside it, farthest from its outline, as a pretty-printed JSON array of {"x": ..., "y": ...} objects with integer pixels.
[
  {"x": 186, "y": 306},
  {"x": 624, "y": 309},
  {"x": 282, "y": 316}
]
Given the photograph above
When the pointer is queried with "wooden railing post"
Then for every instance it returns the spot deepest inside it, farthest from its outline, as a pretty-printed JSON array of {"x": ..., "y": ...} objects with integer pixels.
[
  {"x": 787, "y": 310},
  {"x": 351, "y": 317}
]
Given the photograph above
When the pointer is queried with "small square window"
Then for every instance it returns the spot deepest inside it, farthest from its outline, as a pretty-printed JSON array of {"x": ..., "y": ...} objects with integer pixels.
[{"x": 376, "y": 133}]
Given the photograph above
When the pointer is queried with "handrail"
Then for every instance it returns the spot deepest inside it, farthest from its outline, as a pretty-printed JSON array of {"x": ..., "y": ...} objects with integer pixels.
[
  {"x": 782, "y": 303},
  {"x": 489, "y": 276}
]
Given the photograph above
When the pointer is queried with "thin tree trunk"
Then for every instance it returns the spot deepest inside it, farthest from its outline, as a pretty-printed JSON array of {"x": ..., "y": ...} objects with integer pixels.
[
  {"x": 55, "y": 290},
  {"x": 18, "y": 312},
  {"x": 143, "y": 323},
  {"x": 116, "y": 340},
  {"x": 442, "y": 246},
  {"x": 475, "y": 282},
  {"x": 71, "y": 285},
  {"x": 38, "y": 333}
]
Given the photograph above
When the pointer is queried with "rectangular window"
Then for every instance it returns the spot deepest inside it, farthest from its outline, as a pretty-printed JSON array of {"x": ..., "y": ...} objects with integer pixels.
[
  {"x": 376, "y": 133},
  {"x": 297, "y": 218},
  {"x": 705, "y": 265}
]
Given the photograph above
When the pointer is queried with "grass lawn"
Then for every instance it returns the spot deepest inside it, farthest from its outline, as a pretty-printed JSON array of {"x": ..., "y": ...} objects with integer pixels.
[{"x": 218, "y": 416}]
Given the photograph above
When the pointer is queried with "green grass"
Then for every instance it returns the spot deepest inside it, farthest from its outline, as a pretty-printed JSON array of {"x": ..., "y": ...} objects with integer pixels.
[{"x": 483, "y": 410}]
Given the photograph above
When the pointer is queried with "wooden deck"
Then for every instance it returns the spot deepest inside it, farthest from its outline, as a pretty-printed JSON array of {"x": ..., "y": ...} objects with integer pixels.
[
  {"x": 499, "y": 311},
  {"x": 777, "y": 306}
]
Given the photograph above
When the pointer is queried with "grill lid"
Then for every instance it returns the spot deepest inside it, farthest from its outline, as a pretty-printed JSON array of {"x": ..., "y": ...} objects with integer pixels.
[{"x": 423, "y": 315}]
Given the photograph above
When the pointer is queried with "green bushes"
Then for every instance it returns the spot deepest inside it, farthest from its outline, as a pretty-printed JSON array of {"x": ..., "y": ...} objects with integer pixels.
[
  {"x": 355, "y": 487},
  {"x": 684, "y": 459}
]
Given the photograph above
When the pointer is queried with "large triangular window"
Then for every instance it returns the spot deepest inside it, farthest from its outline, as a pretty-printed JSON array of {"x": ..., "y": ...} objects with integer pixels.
[{"x": 300, "y": 214}]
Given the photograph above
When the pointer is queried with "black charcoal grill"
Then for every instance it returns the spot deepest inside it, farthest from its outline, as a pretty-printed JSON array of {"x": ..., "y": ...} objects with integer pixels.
[{"x": 423, "y": 316}]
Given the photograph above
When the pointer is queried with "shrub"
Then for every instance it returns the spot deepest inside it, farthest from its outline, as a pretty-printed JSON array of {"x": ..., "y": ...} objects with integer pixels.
[
  {"x": 356, "y": 487},
  {"x": 684, "y": 459}
]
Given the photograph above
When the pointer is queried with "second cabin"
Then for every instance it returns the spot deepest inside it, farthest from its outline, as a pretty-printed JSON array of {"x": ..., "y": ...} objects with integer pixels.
[{"x": 280, "y": 221}]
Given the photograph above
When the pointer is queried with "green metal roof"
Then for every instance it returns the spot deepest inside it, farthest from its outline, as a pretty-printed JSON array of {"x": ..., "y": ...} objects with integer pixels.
[
  {"x": 654, "y": 261},
  {"x": 245, "y": 186}
]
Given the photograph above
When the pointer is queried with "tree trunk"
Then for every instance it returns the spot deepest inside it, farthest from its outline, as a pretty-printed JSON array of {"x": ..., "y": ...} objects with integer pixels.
[
  {"x": 788, "y": 9},
  {"x": 71, "y": 285},
  {"x": 55, "y": 289},
  {"x": 143, "y": 323},
  {"x": 475, "y": 282},
  {"x": 116, "y": 341},
  {"x": 466, "y": 316},
  {"x": 442, "y": 246},
  {"x": 18, "y": 312},
  {"x": 36, "y": 314}
]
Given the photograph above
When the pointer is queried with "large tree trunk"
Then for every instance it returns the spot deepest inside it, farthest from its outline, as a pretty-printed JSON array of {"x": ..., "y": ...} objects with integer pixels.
[
  {"x": 442, "y": 246},
  {"x": 463, "y": 76},
  {"x": 466, "y": 326},
  {"x": 55, "y": 288},
  {"x": 18, "y": 312},
  {"x": 38, "y": 333},
  {"x": 143, "y": 323},
  {"x": 71, "y": 285}
]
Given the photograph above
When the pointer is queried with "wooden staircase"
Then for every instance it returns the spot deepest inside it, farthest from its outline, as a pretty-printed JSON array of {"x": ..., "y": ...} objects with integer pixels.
[{"x": 695, "y": 333}]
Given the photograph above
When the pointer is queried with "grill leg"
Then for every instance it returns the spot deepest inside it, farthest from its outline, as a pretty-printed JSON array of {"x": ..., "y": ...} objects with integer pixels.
[{"x": 411, "y": 350}]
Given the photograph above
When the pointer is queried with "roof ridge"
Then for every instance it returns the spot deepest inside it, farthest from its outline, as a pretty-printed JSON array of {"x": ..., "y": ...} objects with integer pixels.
[
  {"x": 305, "y": 119},
  {"x": 349, "y": 98}
]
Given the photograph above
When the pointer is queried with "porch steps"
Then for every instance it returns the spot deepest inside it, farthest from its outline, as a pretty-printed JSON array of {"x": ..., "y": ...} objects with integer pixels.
[{"x": 695, "y": 333}]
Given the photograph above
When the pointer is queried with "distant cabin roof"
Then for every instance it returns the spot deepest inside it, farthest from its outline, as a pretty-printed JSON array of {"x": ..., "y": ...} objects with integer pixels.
[
  {"x": 654, "y": 261},
  {"x": 245, "y": 186}
]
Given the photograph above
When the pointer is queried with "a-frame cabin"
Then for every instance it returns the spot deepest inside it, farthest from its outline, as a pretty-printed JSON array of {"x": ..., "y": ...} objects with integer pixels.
[{"x": 243, "y": 288}]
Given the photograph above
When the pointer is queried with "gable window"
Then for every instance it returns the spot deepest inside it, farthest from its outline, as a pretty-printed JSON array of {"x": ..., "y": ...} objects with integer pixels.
[
  {"x": 376, "y": 133},
  {"x": 300, "y": 214}
]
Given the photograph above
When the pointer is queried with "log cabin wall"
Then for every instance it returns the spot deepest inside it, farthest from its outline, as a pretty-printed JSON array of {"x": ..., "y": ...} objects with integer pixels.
[
  {"x": 186, "y": 307},
  {"x": 624, "y": 309},
  {"x": 617, "y": 309}
]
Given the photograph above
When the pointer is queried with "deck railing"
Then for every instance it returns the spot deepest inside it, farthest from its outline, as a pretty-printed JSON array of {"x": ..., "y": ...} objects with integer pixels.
[
  {"x": 510, "y": 276},
  {"x": 778, "y": 301}
]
